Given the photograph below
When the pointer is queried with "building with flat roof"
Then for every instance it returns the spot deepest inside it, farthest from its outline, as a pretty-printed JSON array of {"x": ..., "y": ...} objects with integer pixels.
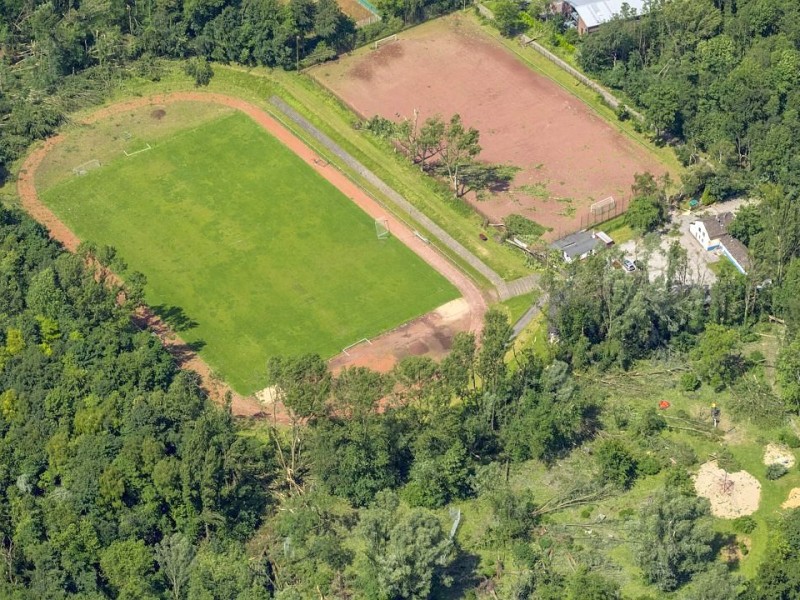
[{"x": 581, "y": 244}]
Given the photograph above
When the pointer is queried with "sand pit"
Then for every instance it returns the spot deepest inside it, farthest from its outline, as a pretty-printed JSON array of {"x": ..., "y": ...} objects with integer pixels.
[
  {"x": 793, "y": 501},
  {"x": 775, "y": 454},
  {"x": 731, "y": 495}
]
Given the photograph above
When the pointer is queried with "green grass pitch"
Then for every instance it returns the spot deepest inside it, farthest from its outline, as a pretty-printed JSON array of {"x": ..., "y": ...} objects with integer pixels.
[{"x": 260, "y": 252}]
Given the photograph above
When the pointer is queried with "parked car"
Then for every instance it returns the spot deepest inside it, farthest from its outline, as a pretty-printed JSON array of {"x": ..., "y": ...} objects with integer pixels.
[{"x": 628, "y": 265}]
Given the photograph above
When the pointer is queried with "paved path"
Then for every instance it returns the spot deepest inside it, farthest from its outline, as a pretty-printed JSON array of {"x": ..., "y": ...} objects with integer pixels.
[
  {"x": 529, "y": 315},
  {"x": 404, "y": 205},
  {"x": 518, "y": 287}
]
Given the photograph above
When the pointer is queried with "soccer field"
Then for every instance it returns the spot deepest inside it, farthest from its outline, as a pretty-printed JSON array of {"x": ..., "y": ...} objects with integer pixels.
[{"x": 260, "y": 253}]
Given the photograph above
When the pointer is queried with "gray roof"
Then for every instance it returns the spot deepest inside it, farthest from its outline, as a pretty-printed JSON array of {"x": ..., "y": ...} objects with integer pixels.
[
  {"x": 576, "y": 244},
  {"x": 596, "y": 12},
  {"x": 737, "y": 250},
  {"x": 717, "y": 225}
]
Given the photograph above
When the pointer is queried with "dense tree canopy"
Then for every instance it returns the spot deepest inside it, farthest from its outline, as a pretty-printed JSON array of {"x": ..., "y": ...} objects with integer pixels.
[{"x": 720, "y": 76}]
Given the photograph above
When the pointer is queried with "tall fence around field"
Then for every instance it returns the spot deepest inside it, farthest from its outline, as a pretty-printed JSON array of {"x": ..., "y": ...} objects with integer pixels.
[{"x": 608, "y": 97}]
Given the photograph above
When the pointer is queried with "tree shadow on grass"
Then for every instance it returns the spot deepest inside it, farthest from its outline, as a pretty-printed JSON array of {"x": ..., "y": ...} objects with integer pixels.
[
  {"x": 175, "y": 317},
  {"x": 186, "y": 351},
  {"x": 464, "y": 577}
]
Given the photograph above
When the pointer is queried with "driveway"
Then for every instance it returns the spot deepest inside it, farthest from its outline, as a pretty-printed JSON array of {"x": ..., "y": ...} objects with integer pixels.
[{"x": 699, "y": 259}]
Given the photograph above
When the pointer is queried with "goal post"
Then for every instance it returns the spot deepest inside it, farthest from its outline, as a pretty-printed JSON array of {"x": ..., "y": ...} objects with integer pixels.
[
  {"x": 383, "y": 41},
  {"x": 84, "y": 168},
  {"x": 382, "y": 228},
  {"x": 604, "y": 206}
]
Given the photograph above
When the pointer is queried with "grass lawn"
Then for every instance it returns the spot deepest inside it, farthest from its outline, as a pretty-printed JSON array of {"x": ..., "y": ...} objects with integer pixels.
[{"x": 252, "y": 251}]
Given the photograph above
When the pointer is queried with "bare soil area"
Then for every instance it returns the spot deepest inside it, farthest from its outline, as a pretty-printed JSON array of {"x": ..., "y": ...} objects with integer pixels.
[
  {"x": 793, "y": 501},
  {"x": 731, "y": 495},
  {"x": 775, "y": 454},
  {"x": 569, "y": 157}
]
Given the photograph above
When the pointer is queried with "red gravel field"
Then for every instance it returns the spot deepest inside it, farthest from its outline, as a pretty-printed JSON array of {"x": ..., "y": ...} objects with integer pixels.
[{"x": 569, "y": 157}]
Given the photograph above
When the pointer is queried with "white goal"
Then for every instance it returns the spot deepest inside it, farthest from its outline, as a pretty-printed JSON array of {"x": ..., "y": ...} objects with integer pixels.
[
  {"x": 89, "y": 165},
  {"x": 603, "y": 206},
  {"x": 145, "y": 148},
  {"x": 383, "y": 41},
  {"x": 382, "y": 228}
]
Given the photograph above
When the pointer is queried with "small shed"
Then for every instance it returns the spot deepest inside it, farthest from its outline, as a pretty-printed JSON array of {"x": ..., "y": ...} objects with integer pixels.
[{"x": 577, "y": 246}]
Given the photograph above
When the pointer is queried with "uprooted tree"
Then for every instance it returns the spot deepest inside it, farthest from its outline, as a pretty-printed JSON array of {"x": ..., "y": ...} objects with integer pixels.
[{"x": 445, "y": 148}]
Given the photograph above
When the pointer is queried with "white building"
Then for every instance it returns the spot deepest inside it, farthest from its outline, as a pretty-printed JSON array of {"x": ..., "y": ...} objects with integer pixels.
[{"x": 712, "y": 234}]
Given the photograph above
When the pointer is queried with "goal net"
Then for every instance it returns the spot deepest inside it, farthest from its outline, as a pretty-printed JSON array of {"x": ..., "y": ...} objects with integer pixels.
[
  {"x": 89, "y": 165},
  {"x": 603, "y": 206},
  {"x": 382, "y": 228},
  {"x": 383, "y": 41}
]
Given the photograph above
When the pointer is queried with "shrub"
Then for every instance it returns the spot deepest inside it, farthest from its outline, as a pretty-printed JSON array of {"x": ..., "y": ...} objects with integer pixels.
[
  {"x": 626, "y": 513},
  {"x": 776, "y": 471},
  {"x": 587, "y": 512},
  {"x": 649, "y": 465},
  {"x": 649, "y": 424},
  {"x": 789, "y": 438},
  {"x": 519, "y": 225},
  {"x": 689, "y": 382},
  {"x": 678, "y": 479},
  {"x": 744, "y": 525},
  {"x": 617, "y": 464}
]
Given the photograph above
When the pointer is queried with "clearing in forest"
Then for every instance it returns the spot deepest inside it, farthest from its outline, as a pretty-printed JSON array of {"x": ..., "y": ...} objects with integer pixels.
[
  {"x": 569, "y": 157},
  {"x": 247, "y": 250}
]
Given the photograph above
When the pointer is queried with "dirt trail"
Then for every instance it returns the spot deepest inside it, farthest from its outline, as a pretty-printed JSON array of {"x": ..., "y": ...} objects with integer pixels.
[{"x": 185, "y": 356}]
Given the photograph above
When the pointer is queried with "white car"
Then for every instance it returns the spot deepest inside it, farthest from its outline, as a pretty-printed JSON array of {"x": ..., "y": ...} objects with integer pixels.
[{"x": 628, "y": 265}]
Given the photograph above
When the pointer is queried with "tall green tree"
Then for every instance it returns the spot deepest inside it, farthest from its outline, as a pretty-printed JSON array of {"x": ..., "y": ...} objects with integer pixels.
[{"x": 673, "y": 539}]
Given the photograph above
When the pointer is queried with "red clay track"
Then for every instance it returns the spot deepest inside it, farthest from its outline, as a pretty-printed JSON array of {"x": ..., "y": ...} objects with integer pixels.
[{"x": 375, "y": 356}]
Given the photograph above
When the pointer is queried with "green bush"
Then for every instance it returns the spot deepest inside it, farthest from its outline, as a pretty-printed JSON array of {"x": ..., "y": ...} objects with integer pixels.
[
  {"x": 689, "y": 382},
  {"x": 519, "y": 225},
  {"x": 678, "y": 479},
  {"x": 617, "y": 464},
  {"x": 776, "y": 471},
  {"x": 789, "y": 438},
  {"x": 649, "y": 465},
  {"x": 587, "y": 512},
  {"x": 626, "y": 513},
  {"x": 744, "y": 525}
]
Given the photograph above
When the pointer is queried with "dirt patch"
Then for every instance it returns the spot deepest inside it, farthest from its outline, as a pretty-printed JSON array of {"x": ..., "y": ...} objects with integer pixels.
[
  {"x": 381, "y": 354},
  {"x": 731, "y": 495},
  {"x": 564, "y": 150},
  {"x": 781, "y": 455},
  {"x": 430, "y": 335},
  {"x": 158, "y": 114},
  {"x": 793, "y": 501}
]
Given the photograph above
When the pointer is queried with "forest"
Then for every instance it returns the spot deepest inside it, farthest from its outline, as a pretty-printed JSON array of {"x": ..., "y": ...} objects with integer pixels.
[
  {"x": 716, "y": 78},
  {"x": 121, "y": 479},
  {"x": 485, "y": 475}
]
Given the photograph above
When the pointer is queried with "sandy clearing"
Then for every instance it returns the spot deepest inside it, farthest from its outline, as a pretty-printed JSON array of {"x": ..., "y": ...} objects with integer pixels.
[
  {"x": 777, "y": 454},
  {"x": 793, "y": 501},
  {"x": 731, "y": 495}
]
